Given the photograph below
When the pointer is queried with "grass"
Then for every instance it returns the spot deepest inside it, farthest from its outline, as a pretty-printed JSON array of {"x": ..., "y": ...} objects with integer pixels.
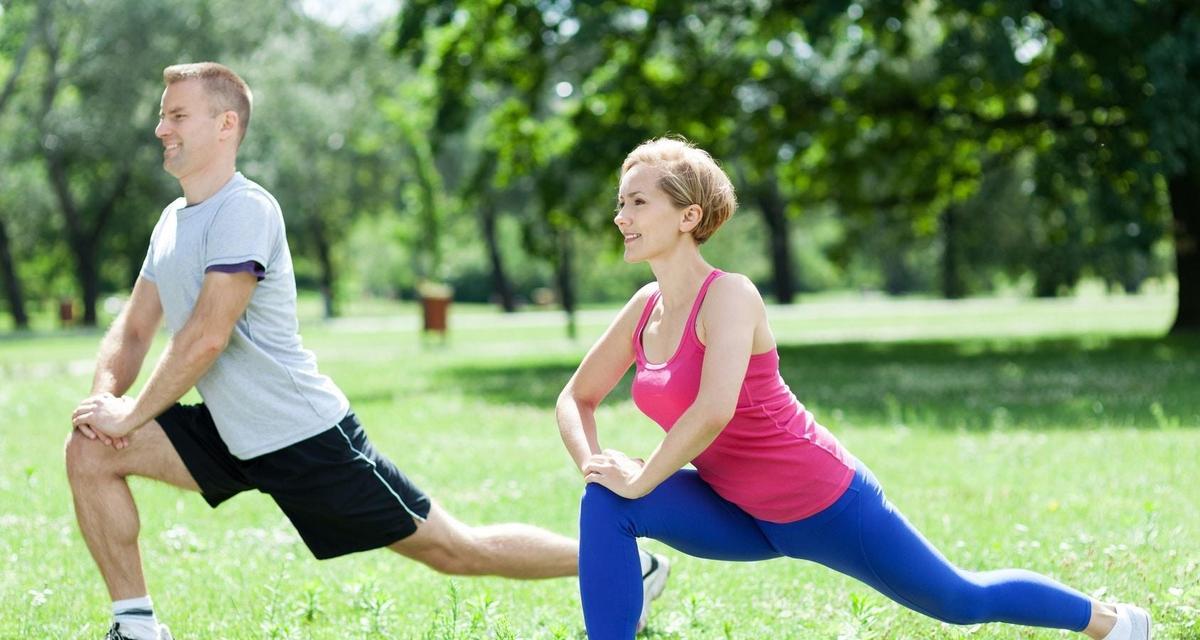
[{"x": 1057, "y": 436}]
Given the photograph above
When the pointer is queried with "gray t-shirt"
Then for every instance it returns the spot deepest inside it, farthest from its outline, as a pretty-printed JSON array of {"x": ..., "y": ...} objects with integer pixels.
[{"x": 264, "y": 390}]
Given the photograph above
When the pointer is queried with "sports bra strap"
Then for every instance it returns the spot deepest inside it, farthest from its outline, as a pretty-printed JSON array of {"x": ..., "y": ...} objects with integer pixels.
[
  {"x": 689, "y": 331},
  {"x": 691, "y": 322}
]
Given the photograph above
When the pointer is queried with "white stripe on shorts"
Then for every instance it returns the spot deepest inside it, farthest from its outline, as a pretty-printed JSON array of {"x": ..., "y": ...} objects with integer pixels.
[{"x": 371, "y": 462}]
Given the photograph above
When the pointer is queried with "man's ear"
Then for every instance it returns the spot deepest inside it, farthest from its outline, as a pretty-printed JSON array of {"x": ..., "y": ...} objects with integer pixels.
[
  {"x": 229, "y": 124},
  {"x": 692, "y": 215}
]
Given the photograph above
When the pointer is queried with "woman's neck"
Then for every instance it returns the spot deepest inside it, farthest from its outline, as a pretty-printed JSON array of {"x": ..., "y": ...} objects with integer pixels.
[{"x": 680, "y": 275}]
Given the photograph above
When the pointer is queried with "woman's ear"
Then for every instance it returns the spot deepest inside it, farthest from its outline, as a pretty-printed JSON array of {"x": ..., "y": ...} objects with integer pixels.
[{"x": 692, "y": 215}]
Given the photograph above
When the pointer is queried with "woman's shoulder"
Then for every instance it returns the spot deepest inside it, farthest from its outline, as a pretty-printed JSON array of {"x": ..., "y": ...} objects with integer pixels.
[
  {"x": 633, "y": 308},
  {"x": 735, "y": 288},
  {"x": 645, "y": 291}
]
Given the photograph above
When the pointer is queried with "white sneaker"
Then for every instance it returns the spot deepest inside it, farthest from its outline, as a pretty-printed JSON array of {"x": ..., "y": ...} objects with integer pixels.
[
  {"x": 1139, "y": 618},
  {"x": 653, "y": 583},
  {"x": 115, "y": 633}
]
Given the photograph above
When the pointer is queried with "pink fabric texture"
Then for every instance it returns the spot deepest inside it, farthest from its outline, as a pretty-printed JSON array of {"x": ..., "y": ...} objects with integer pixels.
[{"x": 773, "y": 459}]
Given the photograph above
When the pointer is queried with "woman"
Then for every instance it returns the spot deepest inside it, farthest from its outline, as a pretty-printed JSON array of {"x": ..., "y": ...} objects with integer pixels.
[{"x": 768, "y": 480}]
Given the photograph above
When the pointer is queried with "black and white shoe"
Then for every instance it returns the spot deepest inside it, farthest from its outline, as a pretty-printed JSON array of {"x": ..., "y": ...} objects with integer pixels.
[
  {"x": 114, "y": 633},
  {"x": 654, "y": 581}
]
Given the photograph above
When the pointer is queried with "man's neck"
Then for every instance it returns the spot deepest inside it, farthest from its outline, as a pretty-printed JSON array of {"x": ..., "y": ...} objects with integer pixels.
[{"x": 202, "y": 185}]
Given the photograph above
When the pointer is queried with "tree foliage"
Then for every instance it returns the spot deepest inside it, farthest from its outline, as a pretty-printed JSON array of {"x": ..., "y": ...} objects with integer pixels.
[
  {"x": 897, "y": 113},
  {"x": 958, "y": 143}
]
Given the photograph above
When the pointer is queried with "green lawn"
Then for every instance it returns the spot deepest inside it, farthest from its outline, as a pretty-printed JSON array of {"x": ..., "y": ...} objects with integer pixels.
[{"x": 1058, "y": 436}]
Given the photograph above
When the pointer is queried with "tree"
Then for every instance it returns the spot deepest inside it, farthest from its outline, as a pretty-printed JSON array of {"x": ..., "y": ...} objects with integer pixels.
[
  {"x": 17, "y": 39},
  {"x": 579, "y": 85},
  {"x": 94, "y": 109},
  {"x": 317, "y": 136},
  {"x": 1103, "y": 93}
]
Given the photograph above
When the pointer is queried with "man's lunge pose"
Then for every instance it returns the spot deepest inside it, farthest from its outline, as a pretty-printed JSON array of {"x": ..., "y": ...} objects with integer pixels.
[{"x": 219, "y": 271}]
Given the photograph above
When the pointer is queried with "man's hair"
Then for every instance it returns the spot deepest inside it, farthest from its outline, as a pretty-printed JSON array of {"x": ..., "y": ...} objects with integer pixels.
[
  {"x": 226, "y": 91},
  {"x": 689, "y": 176}
]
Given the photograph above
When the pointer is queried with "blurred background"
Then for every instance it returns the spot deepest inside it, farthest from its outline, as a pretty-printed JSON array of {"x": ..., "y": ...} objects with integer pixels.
[{"x": 938, "y": 149}]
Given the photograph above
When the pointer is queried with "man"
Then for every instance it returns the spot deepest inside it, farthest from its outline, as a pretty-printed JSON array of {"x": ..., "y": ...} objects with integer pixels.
[{"x": 219, "y": 271}]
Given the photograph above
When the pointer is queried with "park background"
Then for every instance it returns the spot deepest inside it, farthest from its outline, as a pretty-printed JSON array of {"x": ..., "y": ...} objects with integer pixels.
[{"x": 975, "y": 223}]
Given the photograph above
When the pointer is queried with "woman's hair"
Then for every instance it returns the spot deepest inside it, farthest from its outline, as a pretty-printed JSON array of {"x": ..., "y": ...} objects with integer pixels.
[
  {"x": 225, "y": 89},
  {"x": 690, "y": 176}
]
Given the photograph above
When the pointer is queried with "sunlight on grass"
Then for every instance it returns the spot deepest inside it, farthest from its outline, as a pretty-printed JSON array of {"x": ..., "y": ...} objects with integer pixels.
[{"x": 1058, "y": 436}]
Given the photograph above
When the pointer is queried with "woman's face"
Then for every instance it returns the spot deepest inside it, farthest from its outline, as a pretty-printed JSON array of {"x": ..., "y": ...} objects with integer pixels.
[{"x": 646, "y": 215}]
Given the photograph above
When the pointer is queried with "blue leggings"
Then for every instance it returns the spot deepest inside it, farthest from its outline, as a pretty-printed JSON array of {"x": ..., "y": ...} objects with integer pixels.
[{"x": 861, "y": 535}]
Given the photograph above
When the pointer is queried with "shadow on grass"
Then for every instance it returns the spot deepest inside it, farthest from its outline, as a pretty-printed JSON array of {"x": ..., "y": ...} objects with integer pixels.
[
  {"x": 535, "y": 384},
  {"x": 972, "y": 384}
]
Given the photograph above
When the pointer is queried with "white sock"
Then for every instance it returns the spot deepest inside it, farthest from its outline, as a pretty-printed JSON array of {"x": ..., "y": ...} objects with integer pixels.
[
  {"x": 644, "y": 556},
  {"x": 136, "y": 617},
  {"x": 1123, "y": 629}
]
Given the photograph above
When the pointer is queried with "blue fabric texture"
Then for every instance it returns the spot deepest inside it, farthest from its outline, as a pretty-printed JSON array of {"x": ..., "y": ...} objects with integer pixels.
[{"x": 861, "y": 535}]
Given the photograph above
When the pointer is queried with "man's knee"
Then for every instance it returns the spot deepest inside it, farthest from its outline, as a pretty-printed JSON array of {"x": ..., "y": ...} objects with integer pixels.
[
  {"x": 445, "y": 545},
  {"x": 85, "y": 458},
  {"x": 455, "y": 556}
]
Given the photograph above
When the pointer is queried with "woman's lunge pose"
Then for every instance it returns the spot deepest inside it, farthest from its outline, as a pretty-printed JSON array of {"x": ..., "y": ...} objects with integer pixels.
[{"x": 769, "y": 481}]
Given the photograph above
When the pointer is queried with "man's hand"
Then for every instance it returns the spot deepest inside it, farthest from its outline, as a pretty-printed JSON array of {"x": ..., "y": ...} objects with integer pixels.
[
  {"x": 105, "y": 417},
  {"x": 617, "y": 472}
]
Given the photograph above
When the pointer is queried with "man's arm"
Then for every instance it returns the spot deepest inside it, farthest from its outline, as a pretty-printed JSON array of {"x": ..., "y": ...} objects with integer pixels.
[
  {"x": 124, "y": 347},
  {"x": 223, "y": 299}
]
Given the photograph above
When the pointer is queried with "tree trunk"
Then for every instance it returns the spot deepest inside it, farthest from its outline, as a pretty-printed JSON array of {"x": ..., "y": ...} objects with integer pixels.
[
  {"x": 500, "y": 282},
  {"x": 87, "y": 276},
  {"x": 1185, "y": 212},
  {"x": 12, "y": 284},
  {"x": 566, "y": 280},
  {"x": 82, "y": 238},
  {"x": 774, "y": 212},
  {"x": 952, "y": 280},
  {"x": 325, "y": 259}
]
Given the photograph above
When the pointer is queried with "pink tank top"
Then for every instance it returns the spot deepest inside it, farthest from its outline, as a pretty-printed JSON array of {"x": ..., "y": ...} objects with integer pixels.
[{"x": 773, "y": 460}]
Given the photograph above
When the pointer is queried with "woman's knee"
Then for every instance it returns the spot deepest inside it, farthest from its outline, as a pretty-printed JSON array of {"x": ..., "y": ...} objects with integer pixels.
[
  {"x": 601, "y": 508},
  {"x": 962, "y": 603},
  {"x": 600, "y": 500}
]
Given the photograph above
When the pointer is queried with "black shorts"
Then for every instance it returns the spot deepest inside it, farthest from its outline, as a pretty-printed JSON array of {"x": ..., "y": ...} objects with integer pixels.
[{"x": 338, "y": 491}]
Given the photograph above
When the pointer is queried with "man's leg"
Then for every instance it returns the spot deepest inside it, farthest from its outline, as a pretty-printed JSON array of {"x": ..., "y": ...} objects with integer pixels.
[
  {"x": 104, "y": 507},
  {"x": 510, "y": 550}
]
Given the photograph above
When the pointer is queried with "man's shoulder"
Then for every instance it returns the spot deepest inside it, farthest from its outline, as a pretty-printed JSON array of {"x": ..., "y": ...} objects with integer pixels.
[
  {"x": 250, "y": 203},
  {"x": 174, "y": 206},
  {"x": 246, "y": 189}
]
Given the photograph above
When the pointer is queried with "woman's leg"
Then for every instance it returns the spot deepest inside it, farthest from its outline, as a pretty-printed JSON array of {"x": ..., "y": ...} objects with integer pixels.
[
  {"x": 871, "y": 541},
  {"x": 683, "y": 512}
]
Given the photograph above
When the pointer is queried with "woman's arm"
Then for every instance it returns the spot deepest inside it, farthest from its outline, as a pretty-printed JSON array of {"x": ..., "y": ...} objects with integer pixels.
[
  {"x": 599, "y": 372},
  {"x": 731, "y": 315}
]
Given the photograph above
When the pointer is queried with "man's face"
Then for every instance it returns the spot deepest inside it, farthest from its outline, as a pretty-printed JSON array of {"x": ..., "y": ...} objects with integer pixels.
[{"x": 190, "y": 128}]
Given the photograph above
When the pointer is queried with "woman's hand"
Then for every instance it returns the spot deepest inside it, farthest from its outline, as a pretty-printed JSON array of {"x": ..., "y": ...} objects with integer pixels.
[{"x": 616, "y": 472}]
